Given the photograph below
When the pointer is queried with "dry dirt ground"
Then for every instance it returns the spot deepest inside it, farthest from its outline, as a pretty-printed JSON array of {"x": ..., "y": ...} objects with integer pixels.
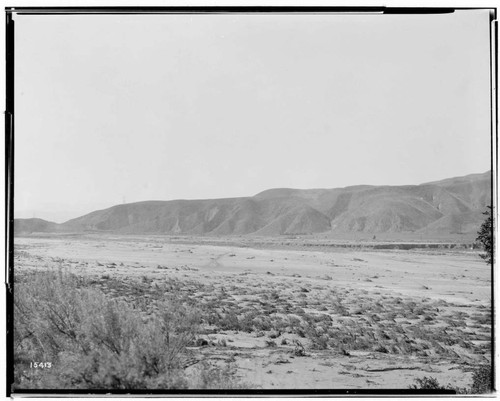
[{"x": 300, "y": 317}]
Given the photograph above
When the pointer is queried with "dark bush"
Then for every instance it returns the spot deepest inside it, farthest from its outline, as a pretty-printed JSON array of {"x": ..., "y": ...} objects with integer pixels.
[
  {"x": 427, "y": 383},
  {"x": 481, "y": 380},
  {"x": 485, "y": 236},
  {"x": 481, "y": 383}
]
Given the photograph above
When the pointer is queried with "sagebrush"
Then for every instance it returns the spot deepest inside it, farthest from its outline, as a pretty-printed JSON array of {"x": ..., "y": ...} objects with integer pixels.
[{"x": 93, "y": 341}]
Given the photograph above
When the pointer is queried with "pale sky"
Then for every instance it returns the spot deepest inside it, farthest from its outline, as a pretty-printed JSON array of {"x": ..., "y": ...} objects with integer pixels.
[{"x": 126, "y": 108}]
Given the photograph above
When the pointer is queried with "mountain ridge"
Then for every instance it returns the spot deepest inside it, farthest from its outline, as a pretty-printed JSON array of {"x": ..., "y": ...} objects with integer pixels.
[{"x": 452, "y": 205}]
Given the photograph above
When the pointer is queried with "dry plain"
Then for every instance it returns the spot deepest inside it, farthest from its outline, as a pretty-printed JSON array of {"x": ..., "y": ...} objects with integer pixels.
[{"x": 286, "y": 314}]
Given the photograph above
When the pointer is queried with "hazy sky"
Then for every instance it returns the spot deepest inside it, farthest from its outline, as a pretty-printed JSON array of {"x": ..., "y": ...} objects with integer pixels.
[{"x": 113, "y": 109}]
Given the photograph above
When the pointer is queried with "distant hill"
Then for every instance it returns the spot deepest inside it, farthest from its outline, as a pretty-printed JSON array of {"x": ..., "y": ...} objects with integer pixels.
[
  {"x": 450, "y": 206},
  {"x": 28, "y": 226}
]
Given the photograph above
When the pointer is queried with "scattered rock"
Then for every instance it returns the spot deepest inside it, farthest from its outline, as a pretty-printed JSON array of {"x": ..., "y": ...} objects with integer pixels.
[
  {"x": 275, "y": 334},
  {"x": 201, "y": 342}
]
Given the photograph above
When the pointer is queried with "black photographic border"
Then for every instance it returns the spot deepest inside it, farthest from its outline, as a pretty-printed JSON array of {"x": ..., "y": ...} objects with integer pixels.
[{"x": 9, "y": 183}]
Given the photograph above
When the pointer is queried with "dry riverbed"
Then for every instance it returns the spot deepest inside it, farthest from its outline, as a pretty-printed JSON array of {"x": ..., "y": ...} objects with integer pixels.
[{"x": 299, "y": 318}]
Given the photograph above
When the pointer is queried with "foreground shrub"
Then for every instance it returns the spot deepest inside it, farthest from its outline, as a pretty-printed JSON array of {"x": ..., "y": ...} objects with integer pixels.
[
  {"x": 212, "y": 377},
  {"x": 481, "y": 380},
  {"x": 95, "y": 342},
  {"x": 427, "y": 383},
  {"x": 481, "y": 383}
]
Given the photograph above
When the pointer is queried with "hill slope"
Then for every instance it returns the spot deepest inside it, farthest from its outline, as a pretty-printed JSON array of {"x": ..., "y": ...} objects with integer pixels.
[
  {"x": 28, "y": 226},
  {"x": 451, "y": 206}
]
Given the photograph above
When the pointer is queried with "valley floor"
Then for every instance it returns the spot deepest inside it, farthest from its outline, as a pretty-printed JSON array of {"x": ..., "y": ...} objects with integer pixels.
[{"x": 299, "y": 317}]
